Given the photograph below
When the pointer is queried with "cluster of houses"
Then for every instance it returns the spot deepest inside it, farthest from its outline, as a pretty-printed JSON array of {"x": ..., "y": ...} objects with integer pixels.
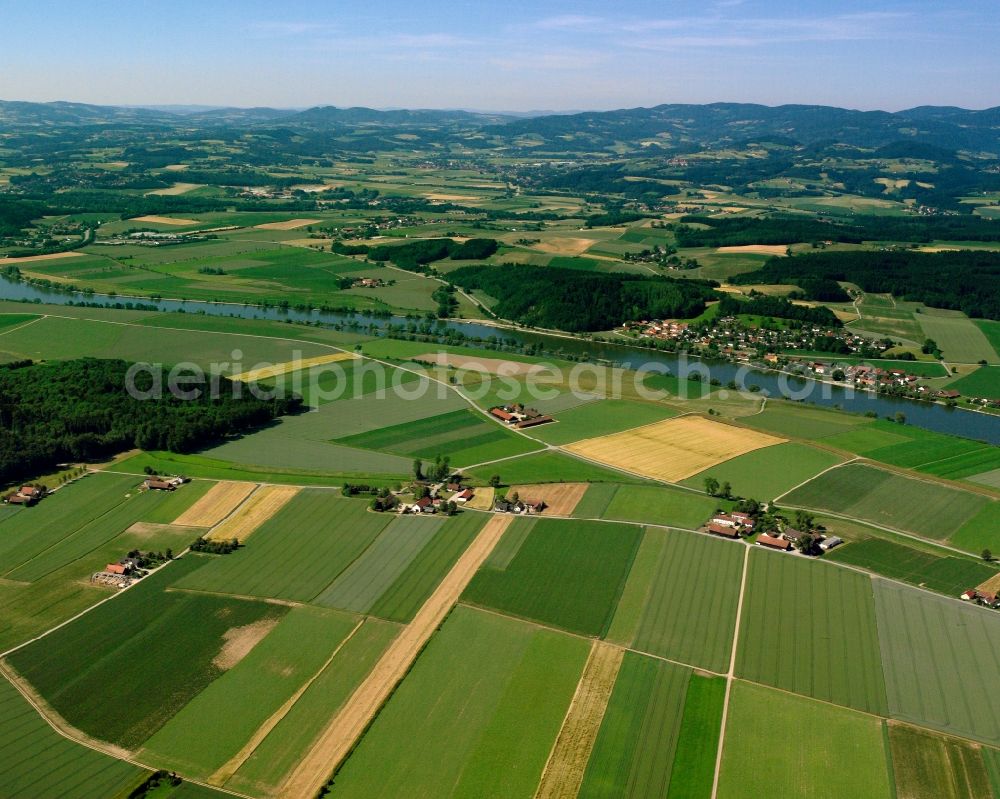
[
  {"x": 120, "y": 574},
  {"x": 26, "y": 495},
  {"x": 368, "y": 283},
  {"x": 987, "y": 598},
  {"x": 736, "y": 524},
  {"x": 523, "y": 507},
  {"x": 518, "y": 416},
  {"x": 438, "y": 498}
]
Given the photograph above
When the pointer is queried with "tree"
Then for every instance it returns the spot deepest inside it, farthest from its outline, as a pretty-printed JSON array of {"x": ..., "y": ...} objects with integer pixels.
[
  {"x": 900, "y": 418},
  {"x": 987, "y": 555},
  {"x": 838, "y": 375},
  {"x": 495, "y": 480},
  {"x": 711, "y": 486},
  {"x": 726, "y": 490},
  {"x": 804, "y": 520},
  {"x": 808, "y": 544},
  {"x": 418, "y": 469}
]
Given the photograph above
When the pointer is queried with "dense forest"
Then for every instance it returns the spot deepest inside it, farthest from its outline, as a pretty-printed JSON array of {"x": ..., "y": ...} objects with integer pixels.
[
  {"x": 779, "y": 308},
  {"x": 80, "y": 410},
  {"x": 735, "y": 231},
  {"x": 577, "y": 301},
  {"x": 416, "y": 255},
  {"x": 965, "y": 280}
]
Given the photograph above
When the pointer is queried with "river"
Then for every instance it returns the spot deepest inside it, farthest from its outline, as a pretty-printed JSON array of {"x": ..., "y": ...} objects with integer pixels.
[{"x": 930, "y": 416}]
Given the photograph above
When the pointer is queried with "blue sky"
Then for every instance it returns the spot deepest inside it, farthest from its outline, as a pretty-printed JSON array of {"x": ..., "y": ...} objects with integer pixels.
[{"x": 506, "y": 55}]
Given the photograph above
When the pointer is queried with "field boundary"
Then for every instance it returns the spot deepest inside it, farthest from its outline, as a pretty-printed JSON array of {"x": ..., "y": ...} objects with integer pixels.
[{"x": 338, "y": 739}]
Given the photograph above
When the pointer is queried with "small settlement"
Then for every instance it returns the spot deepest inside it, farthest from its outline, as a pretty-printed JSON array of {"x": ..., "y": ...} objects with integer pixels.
[
  {"x": 737, "y": 524},
  {"x": 518, "y": 416},
  {"x": 26, "y": 495},
  {"x": 986, "y": 598}
]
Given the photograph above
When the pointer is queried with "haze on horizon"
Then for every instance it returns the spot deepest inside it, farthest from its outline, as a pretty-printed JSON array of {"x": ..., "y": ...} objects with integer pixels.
[{"x": 519, "y": 55}]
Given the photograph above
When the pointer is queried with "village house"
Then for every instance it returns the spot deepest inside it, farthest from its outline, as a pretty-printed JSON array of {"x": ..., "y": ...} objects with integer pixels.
[
  {"x": 27, "y": 495},
  {"x": 463, "y": 496},
  {"x": 157, "y": 484},
  {"x": 725, "y": 530},
  {"x": 773, "y": 542}
]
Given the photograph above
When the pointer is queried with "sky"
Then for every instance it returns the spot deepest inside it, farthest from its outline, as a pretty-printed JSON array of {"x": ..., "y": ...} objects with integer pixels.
[{"x": 502, "y": 55}]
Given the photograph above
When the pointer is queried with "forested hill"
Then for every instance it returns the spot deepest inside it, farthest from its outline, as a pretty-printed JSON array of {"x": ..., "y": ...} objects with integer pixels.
[
  {"x": 966, "y": 281},
  {"x": 80, "y": 410},
  {"x": 576, "y": 301}
]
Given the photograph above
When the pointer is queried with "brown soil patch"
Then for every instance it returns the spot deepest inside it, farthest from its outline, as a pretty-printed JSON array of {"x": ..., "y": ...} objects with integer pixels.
[
  {"x": 560, "y": 498},
  {"x": 453, "y": 197},
  {"x": 493, "y": 366},
  {"x": 274, "y": 370},
  {"x": 674, "y": 449},
  {"x": 337, "y": 740},
  {"x": 221, "y": 500},
  {"x": 175, "y": 167},
  {"x": 991, "y": 586},
  {"x": 563, "y": 773},
  {"x": 288, "y": 224},
  {"x": 240, "y": 640},
  {"x": 165, "y": 220},
  {"x": 760, "y": 249},
  {"x": 564, "y": 246},
  {"x": 50, "y": 257},
  {"x": 177, "y": 188},
  {"x": 147, "y": 529},
  {"x": 262, "y": 505}
]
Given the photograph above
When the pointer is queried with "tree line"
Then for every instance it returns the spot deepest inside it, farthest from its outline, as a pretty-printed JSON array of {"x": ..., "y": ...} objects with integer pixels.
[{"x": 80, "y": 410}]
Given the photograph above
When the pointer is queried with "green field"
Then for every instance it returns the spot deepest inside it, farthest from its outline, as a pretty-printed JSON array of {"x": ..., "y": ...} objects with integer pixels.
[
  {"x": 600, "y": 418},
  {"x": 694, "y": 758},
  {"x": 35, "y": 761},
  {"x": 984, "y": 382},
  {"x": 960, "y": 340},
  {"x": 568, "y": 574},
  {"x": 810, "y": 628},
  {"x": 216, "y": 723},
  {"x": 123, "y": 670},
  {"x": 550, "y": 467},
  {"x": 783, "y": 745},
  {"x": 10, "y": 320},
  {"x": 945, "y": 573},
  {"x": 465, "y": 436},
  {"x": 662, "y": 505},
  {"x": 928, "y": 766},
  {"x": 634, "y": 751},
  {"x": 803, "y": 421},
  {"x": 939, "y": 657},
  {"x": 476, "y": 716},
  {"x": 296, "y": 553},
  {"x": 769, "y": 472},
  {"x": 663, "y": 609},
  {"x": 594, "y": 503},
  {"x": 991, "y": 329},
  {"x": 278, "y": 753},
  {"x": 904, "y": 503},
  {"x": 980, "y": 532}
]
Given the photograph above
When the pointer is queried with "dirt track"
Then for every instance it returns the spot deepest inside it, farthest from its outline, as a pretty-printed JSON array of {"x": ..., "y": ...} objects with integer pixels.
[{"x": 346, "y": 727}]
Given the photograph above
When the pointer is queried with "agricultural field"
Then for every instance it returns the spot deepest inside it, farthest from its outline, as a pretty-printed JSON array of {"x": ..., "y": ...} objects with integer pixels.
[
  {"x": 134, "y": 686},
  {"x": 942, "y": 572},
  {"x": 633, "y": 753},
  {"x": 464, "y": 436},
  {"x": 778, "y": 744},
  {"x": 698, "y": 740},
  {"x": 672, "y": 450},
  {"x": 560, "y": 499},
  {"x": 260, "y": 506},
  {"x": 550, "y": 467},
  {"x": 662, "y": 505},
  {"x": 938, "y": 655},
  {"x": 208, "y": 732},
  {"x": 662, "y": 610},
  {"x": 567, "y": 574},
  {"x": 38, "y": 761},
  {"x": 216, "y": 505},
  {"x": 296, "y": 553},
  {"x": 984, "y": 382},
  {"x": 769, "y": 472},
  {"x": 798, "y": 421},
  {"x": 477, "y": 715},
  {"x": 928, "y": 766},
  {"x": 932, "y": 510},
  {"x": 600, "y": 418},
  {"x": 960, "y": 340},
  {"x": 826, "y": 648}
]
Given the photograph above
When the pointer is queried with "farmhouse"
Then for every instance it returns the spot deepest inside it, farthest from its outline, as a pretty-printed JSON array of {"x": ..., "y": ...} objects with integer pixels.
[
  {"x": 156, "y": 484},
  {"x": 463, "y": 496},
  {"x": 773, "y": 542},
  {"x": 520, "y": 506},
  {"x": 726, "y": 530},
  {"x": 27, "y": 495}
]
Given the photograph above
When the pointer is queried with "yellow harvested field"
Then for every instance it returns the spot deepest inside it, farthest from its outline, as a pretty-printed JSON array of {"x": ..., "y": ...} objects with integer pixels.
[
  {"x": 306, "y": 242},
  {"x": 341, "y": 734},
  {"x": 991, "y": 586},
  {"x": 560, "y": 498},
  {"x": 563, "y": 774},
  {"x": 221, "y": 500},
  {"x": 288, "y": 224},
  {"x": 674, "y": 449},
  {"x": 27, "y": 259},
  {"x": 564, "y": 245},
  {"x": 164, "y": 220},
  {"x": 262, "y": 505},
  {"x": 493, "y": 366},
  {"x": 759, "y": 249},
  {"x": 175, "y": 167},
  {"x": 177, "y": 188},
  {"x": 452, "y": 197},
  {"x": 483, "y": 499},
  {"x": 938, "y": 249},
  {"x": 274, "y": 370}
]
